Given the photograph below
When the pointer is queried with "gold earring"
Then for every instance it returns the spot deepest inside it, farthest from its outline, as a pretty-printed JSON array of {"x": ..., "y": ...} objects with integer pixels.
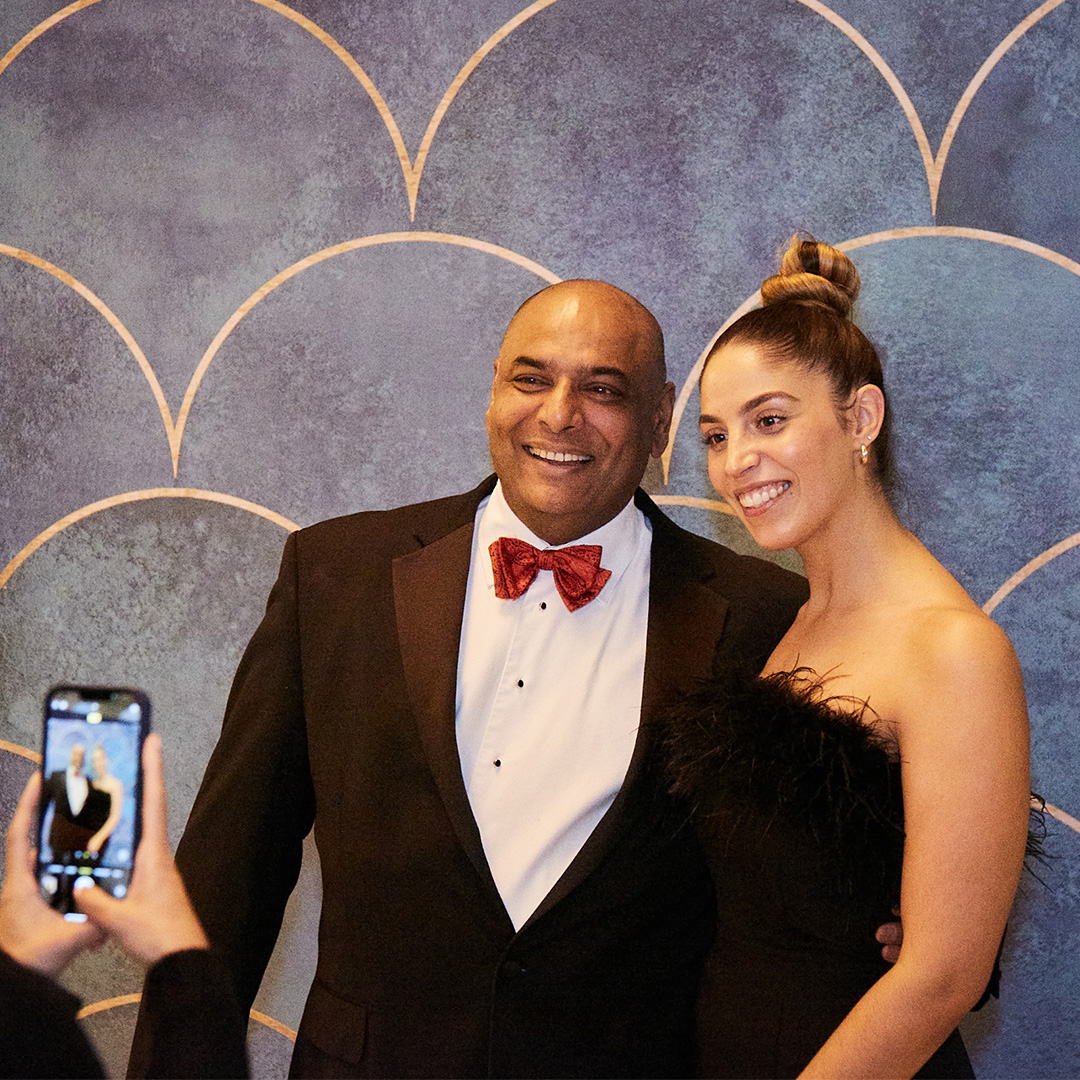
[{"x": 864, "y": 454}]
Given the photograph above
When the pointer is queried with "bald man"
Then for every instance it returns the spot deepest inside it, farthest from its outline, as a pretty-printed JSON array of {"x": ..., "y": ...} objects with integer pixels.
[{"x": 456, "y": 696}]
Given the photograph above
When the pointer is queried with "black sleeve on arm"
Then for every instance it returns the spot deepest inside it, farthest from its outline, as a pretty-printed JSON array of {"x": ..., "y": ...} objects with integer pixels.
[
  {"x": 241, "y": 852},
  {"x": 196, "y": 1028},
  {"x": 40, "y": 1036}
]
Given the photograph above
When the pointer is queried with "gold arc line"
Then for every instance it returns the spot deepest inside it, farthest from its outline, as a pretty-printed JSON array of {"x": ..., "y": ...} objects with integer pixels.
[
  {"x": 695, "y": 374},
  {"x": 358, "y": 72},
  {"x": 1064, "y": 818},
  {"x": 717, "y": 505},
  {"x": 40, "y": 29},
  {"x": 22, "y": 751},
  {"x": 134, "y": 999},
  {"x": 413, "y": 178},
  {"x": 1028, "y": 569},
  {"x": 319, "y": 256},
  {"x": 934, "y": 167},
  {"x": 972, "y": 88},
  {"x": 411, "y": 171},
  {"x": 906, "y": 233},
  {"x": 893, "y": 82},
  {"x": 933, "y": 164},
  {"x": 108, "y": 1003},
  {"x": 278, "y": 1026},
  {"x": 110, "y": 317},
  {"x": 138, "y": 496},
  {"x": 960, "y": 232}
]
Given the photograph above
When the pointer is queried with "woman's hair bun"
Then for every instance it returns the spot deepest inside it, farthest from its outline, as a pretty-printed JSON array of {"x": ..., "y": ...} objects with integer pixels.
[{"x": 811, "y": 271}]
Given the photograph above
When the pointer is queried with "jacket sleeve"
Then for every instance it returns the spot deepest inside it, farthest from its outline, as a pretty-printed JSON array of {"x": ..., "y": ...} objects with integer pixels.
[
  {"x": 41, "y": 1036},
  {"x": 241, "y": 852},
  {"x": 196, "y": 1028}
]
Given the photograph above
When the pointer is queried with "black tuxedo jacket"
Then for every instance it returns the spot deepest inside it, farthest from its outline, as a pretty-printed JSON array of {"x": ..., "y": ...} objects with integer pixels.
[
  {"x": 341, "y": 716},
  {"x": 69, "y": 831}
]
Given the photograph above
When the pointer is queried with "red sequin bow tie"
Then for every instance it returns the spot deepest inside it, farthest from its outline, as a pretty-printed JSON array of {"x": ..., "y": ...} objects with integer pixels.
[{"x": 576, "y": 569}]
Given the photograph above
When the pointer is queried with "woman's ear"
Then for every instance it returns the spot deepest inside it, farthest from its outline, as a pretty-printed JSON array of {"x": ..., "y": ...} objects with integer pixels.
[{"x": 867, "y": 414}]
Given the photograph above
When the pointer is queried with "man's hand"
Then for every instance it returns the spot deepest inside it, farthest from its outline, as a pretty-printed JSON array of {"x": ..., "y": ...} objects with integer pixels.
[
  {"x": 891, "y": 937},
  {"x": 30, "y": 931},
  {"x": 155, "y": 918}
]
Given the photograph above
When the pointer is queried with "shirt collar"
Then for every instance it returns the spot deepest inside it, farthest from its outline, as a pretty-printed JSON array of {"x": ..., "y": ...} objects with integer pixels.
[{"x": 620, "y": 538}]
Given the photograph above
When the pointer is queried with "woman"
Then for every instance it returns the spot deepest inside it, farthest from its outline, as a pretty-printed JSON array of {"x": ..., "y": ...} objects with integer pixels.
[
  {"x": 104, "y": 803},
  {"x": 888, "y": 728}
]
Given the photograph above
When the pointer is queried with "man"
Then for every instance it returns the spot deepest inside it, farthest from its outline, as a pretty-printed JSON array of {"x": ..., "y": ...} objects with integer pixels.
[
  {"x": 68, "y": 791},
  {"x": 506, "y": 890}
]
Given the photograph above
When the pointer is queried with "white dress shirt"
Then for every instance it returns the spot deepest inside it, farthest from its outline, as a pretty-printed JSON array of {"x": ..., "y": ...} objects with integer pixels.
[
  {"x": 78, "y": 787},
  {"x": 548, "y": 702}
]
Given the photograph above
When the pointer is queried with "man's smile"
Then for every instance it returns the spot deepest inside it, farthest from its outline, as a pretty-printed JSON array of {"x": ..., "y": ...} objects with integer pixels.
[{"x": 559, "y": 457}]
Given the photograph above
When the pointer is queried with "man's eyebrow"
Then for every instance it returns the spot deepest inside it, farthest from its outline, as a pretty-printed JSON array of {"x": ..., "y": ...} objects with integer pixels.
[
  {"x": 751, "y": 405},
  {"x": 613, "y": 372}
]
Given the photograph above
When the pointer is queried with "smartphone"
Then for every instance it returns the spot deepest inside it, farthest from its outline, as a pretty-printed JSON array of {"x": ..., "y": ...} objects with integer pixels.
[{"x": 90, "y": 817}]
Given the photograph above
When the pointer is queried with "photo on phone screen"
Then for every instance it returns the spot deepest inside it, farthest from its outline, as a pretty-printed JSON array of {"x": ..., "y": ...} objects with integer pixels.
[{"x": 90, "y": 792}]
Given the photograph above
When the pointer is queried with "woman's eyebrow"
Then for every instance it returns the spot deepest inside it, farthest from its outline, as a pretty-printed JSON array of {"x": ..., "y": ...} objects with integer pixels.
[{"x": 751, "y": 405}]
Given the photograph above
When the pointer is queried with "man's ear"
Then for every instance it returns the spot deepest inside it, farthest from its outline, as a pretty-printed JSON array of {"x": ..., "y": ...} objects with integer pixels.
[
  {"x": 867, "y": 414},
  {"x": 664, "y": 409}
]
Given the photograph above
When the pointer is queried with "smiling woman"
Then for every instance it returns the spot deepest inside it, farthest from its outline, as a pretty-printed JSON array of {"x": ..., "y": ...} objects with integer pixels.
[{"x": 825, "y": 789}]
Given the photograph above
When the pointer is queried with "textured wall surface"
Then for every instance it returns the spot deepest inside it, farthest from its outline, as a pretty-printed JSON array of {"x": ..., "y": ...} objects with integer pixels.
[{"x": 255, "y": 260}]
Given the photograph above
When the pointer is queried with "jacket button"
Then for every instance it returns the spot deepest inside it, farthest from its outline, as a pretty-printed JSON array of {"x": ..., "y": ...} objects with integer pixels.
[{"x": 512, "y": 967}]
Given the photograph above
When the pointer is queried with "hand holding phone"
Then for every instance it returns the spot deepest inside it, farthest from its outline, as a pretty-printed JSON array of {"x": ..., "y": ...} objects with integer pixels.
[
  {"x": 155, "y": 918},
  {"x": 30, "y": 931}
]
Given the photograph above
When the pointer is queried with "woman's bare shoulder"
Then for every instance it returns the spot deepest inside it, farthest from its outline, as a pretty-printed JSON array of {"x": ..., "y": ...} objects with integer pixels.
[
  {"x": 957, "y": 661},
  {"x": 951, "y": 638}
]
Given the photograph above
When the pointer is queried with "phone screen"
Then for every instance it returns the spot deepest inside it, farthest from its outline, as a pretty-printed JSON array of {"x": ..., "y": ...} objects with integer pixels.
[{"x": 91, "y": 791}]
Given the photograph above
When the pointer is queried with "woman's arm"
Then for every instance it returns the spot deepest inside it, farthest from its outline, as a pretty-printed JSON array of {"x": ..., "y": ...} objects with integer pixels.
[
  {"x": 116, "y": 806},
  {"x": 963, "y": 734}
]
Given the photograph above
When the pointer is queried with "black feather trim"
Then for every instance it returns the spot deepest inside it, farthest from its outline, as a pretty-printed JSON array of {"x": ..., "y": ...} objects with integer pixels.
[{"x": 747, "y": 752}]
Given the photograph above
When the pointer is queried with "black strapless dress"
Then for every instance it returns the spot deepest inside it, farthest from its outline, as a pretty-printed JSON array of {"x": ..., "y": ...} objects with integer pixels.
[
  {"x": 798, "y": 805},
  {"x": 96, "y": 809}
]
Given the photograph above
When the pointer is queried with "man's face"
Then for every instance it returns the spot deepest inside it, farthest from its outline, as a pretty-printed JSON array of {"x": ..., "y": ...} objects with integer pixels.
[
  {"x": 578, "y": 405},
  {"x": 78, "y": 757}
]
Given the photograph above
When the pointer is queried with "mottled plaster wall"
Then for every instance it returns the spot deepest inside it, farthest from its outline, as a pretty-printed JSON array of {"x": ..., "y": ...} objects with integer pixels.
[{"x": 255, "y": 260}]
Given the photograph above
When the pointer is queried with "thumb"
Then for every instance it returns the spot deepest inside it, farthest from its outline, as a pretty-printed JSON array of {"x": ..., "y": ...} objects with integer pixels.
[{"x": 98, "y": 906}]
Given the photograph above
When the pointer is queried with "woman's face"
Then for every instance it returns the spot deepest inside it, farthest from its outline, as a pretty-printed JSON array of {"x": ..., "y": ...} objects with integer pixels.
[
  {"x": 100, "y": 760},
  {"x": 779, "y": 452}
]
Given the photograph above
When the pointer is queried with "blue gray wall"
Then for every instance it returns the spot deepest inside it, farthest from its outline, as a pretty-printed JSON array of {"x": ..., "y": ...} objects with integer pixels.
[{"x": 220, "y": 317}]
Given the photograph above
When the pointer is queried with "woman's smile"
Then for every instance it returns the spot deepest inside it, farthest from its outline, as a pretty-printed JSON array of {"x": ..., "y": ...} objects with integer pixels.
[{"x": 762, "y": 497}]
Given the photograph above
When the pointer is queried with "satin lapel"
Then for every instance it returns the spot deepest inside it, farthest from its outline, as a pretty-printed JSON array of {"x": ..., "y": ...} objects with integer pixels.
[
  {"x": 429, "y": 599},
  {"x": 686, "y": 619}
]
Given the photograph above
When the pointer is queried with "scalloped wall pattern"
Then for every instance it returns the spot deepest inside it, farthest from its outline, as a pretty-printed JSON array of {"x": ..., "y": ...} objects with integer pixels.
[{"x": 221, "y": 191}]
